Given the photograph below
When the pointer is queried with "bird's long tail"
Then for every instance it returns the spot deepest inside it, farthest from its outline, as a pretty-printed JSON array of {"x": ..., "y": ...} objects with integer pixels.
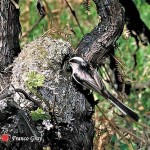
[{"x": 124, "y": 109}]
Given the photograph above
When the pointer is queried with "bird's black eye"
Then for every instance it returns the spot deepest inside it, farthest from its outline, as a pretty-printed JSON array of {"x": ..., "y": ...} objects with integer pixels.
[{"x": 84, "y": 64}]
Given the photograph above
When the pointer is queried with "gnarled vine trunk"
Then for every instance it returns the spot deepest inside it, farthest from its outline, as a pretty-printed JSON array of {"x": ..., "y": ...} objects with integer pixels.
[{"x": 9, "y": 32}]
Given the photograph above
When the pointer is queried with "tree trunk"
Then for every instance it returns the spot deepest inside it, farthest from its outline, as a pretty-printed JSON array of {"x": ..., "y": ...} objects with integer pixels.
[{"x": 9, "y": 32}]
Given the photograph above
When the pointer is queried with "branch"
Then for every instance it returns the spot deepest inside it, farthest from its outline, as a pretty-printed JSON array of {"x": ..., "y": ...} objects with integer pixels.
[
  {"x": 135, "y": 25},
  {"x": 12, "y": 91},
  {"x": 41, "y": 11},
  {"x": 75, "y": 16},
  {"x": 96, "y": 45}
]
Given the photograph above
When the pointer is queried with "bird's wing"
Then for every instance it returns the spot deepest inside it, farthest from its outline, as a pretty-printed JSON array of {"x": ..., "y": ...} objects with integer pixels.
[
  {"x": 93, "y": 82},
  {"x": 86, "y": 81},
  {"x": 103, "y": 92},
  {"x": 98, "y": 80}
]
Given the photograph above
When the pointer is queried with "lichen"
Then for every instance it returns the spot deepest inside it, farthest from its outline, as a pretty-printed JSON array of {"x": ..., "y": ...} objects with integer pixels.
[{"x": 42, "y": 56}]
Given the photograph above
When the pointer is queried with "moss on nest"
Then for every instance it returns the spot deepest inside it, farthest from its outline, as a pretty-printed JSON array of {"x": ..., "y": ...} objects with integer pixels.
[{"x": 42, "y": 56}]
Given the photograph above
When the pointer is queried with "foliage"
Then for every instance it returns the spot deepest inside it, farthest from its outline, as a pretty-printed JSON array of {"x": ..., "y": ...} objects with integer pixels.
[
  {"x": 38, "y": 114},
  {"x": 34, "y": 80}
]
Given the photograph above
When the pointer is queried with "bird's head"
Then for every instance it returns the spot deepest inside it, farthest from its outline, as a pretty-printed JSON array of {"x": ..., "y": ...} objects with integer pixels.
[{"x": 78, "y": 62}]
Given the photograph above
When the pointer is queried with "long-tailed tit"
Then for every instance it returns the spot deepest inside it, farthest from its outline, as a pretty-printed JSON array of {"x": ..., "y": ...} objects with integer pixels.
[{"x": 88, "y": 77}]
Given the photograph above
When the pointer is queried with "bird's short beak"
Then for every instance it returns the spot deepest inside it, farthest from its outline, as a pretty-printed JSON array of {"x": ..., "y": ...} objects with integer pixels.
[{"x": 69, "y": 66}]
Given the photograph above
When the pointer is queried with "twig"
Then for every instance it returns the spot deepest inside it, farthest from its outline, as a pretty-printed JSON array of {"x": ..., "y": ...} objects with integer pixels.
[
  {"x": 118, "y": 61},
  {"x": 74, "y": 14},
  {"x": 4, "y": 90},
  {"x": 37, "y": 22},
  {"x": 15, "y": 4},
  {"x": 6, "y": 94},
  {"x": 13, "y": 91},
  {"x": 41, "y": 11},
  {"x": 39, "y": 104},
  {"x": 23, "y": 116},
  {"x": 143, "y": 125},
  {"x": 132, "y": 134},
  {"x": 49, "y": 14},
  {"x": 109, "y": 77},
  {"x": 115, "y": 128}
]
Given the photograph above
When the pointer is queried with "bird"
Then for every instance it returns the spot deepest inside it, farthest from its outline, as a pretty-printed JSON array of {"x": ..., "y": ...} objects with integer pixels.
[{"x": 87, "y": 76}]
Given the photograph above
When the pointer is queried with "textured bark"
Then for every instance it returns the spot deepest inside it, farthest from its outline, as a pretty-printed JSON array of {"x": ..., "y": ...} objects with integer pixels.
[
  {"x": 9, "y": 33},
  {"x": 95, "y": 45}
]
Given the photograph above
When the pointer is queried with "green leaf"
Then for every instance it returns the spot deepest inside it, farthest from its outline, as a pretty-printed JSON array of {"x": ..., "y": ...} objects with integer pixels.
[
  {"x": 113, "y": 139},
  {"x": 34, "y": 80},
  {"x": 38, "y": 114},
  {"x": 123, "y": 146}
]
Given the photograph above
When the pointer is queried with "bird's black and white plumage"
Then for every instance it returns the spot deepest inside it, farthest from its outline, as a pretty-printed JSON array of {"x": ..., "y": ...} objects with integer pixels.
[{"x": 87, "y": 76}]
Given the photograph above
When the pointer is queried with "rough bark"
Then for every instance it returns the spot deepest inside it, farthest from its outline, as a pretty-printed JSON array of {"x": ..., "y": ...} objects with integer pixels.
[
  {"x": 101, "y": 41},
  {"x": 95, "y": 45},
  {"x": 9, "y": 32}
]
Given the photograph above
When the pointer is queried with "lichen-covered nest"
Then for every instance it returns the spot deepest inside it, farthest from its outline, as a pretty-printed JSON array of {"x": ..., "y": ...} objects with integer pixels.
[
  {"x": 44, "y": 56},
  {"x": 69, "y": 103}
]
